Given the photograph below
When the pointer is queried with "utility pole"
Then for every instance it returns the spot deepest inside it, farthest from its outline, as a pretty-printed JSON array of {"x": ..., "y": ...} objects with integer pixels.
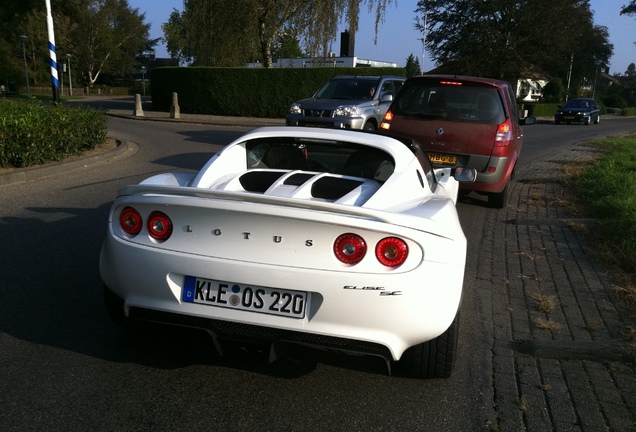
[
  {"x": 423, "y": 45},
  {"x": 52, "y": 55}
]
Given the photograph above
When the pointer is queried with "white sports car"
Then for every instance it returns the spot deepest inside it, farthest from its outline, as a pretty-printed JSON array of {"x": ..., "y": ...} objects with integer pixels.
[{"x": 342, "y": 240}]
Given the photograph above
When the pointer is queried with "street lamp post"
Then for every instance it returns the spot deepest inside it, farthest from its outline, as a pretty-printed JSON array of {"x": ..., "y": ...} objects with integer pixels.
[
  {"x": 597, "y": 63},
  {"x": 143, "y": 78},
  {"x": 70, "y": 81},
  {"x": 24, "y": 38}
]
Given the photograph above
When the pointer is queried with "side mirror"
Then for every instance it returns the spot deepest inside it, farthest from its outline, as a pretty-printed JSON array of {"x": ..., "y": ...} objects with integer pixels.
[
  {"x": 465, "y": 175},
  {"x": 386, "y": 97},
  {"x": 528, "y": 121}
]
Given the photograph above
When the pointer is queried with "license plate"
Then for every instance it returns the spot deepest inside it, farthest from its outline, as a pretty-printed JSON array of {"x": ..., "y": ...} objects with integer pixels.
[
  {"x": 569, "y": 117},
  {"x": 442, "y": 158},
  {"x": 244, "y": 297}
]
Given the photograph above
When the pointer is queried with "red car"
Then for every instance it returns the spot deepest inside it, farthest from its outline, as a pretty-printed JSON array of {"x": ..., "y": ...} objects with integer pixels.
[{"x": 463, "y": 121}]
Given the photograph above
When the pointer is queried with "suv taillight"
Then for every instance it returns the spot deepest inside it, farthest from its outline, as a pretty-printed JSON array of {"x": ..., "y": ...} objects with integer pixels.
[
  {"x": 504, "y": 134},
  {"x": 386, "y": 122}
]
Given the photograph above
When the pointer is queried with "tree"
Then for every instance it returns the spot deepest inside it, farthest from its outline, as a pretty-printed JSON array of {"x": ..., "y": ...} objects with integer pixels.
[
  {"x": 287, "y": 46},
  {"x": 631, "y": 70},
  {"x": 629, "y": 9},
  {"x": 175, "y": 38},
  {"x": 412, "y": 66},
  {"x": 109, "y": 38},
  {"x": 229, "y": 33},
  {"x": 507, "y": 39}
]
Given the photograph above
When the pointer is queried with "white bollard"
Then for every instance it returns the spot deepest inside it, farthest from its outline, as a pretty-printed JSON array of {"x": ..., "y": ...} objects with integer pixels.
[
  {"x": 138, "y": 112},
  {"x": 175, "y": 111}
]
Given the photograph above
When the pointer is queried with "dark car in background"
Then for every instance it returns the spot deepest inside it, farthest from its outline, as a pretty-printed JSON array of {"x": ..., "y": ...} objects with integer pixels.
[
  {"x": 347, "y": 102},
  {"x": 579, "y": 110},
  {"x": 463, "y": 121}
]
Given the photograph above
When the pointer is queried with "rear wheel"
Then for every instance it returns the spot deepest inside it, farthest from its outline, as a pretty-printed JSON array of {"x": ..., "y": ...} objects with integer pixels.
[
  {"x": 499, "y": 200},
  {"x": 435, "y": 358}
]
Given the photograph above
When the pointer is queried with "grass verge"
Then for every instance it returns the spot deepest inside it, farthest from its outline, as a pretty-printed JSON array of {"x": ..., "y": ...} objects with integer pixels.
[{"x": 605, "y": 189}]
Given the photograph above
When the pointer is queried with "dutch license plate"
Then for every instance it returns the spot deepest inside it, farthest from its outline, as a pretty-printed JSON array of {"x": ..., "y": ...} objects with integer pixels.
[
  {"x": 442, "y": 158},
  {"x": 569, "y": 117},
  {"x": 250, "y": 298}
]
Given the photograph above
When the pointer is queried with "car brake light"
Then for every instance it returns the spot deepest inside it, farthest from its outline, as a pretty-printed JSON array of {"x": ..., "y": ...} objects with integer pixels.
[
  {"x": 130, "y": 221},
  {"x": 457, "y": 83},
  {"x": 391, "y": 251},
  {"x": 350, "y": 248},
  {"x": 386, "y": 122},
  {"x": 504, "y": 135},
  {"x": 159, "y": 226}
]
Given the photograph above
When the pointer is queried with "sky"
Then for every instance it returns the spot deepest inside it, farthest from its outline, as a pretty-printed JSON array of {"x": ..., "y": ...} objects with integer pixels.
[{"x": 397, "y": 39}]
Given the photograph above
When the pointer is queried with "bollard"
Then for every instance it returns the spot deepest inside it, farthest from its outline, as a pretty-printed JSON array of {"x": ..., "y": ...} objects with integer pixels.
[
  {"x": 175, "y": 111},
  {"x": 139, "y": 112}
]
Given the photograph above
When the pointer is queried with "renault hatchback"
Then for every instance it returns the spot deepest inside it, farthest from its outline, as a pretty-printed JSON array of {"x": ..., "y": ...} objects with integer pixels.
[{"x": 463, "y": 121}]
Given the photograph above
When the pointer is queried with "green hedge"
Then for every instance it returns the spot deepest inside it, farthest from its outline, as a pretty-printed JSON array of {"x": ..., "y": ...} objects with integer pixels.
[
  {"x": 257, "y": 92},
  {"x": 32, "y": 133}
]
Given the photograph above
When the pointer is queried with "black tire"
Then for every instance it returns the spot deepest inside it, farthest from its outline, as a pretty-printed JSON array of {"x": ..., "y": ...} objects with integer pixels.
[
  {"x": 435, "y": 358},
  {"x": 115, "y": 307},
  {"x": 588, "y": 121},
  {"x": 369, "y": 126},
  {"x": 499, "y": 200},
  {"x": 556, "y": 121},
  {"x": 598, "y": 119}
]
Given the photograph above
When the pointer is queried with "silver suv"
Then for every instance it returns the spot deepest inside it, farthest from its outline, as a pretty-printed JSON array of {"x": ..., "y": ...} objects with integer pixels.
[{"x": 347, "y": 102}]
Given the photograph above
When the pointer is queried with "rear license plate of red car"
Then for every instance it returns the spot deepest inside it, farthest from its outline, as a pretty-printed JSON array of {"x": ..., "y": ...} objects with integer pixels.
[
  {"x": 244, "y": 297},
  {"x": 442, "y": 158}
]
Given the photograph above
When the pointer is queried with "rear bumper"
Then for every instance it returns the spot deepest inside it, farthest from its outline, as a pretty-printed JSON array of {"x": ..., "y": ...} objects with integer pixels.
[
  {"x": 490, "y": 179},
  {"x": 401, "y": 311},
  {"x": 565, "y": 118}
]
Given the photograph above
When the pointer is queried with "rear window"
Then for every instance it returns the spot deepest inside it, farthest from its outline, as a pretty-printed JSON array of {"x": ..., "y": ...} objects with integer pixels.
[
  {"x": 454, "y": 102},
  {"x": 335, "y": 157}
]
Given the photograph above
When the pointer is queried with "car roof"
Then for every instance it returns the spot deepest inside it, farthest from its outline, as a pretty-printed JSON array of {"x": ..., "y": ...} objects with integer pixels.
[
  {"x": 370, "y": 77},
  {"x": 480, "y": 80}
]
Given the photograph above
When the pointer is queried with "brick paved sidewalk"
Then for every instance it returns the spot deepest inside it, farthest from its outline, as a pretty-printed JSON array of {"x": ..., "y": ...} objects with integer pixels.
[{"x": 560, "y": 361}]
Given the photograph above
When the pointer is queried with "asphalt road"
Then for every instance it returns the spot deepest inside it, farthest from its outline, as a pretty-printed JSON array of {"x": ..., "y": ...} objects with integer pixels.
[{"x": 65, "y": 366}]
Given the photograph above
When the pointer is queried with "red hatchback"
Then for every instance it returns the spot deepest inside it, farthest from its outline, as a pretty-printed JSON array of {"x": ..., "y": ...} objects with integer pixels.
[{"x": 463, "y": 121}]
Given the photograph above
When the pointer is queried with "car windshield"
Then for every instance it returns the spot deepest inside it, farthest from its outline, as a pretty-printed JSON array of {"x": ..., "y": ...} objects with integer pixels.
[
  {"x": 348, "y": 88},
  {"x": 334, "y": 157},
  {"x": 463, "y": 103},
  {"x": 573, "y": 103}
]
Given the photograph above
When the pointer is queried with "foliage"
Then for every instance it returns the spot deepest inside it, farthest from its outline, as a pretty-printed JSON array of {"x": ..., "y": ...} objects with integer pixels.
[
  {"x": 258, "y": 92},
  {"x": 629, "y": 9},
  {"x": 554, "y": 91},
  {"x": 102, "y": 36},
  {"x": 234, "y": 32},
  {"x": 32, "y": 133},
  {"x": 608, "y": 189},
  {"x": 508, "y": 39},
  {"x": 110, "y": 38},
  {"x": 412, "y": 66}
]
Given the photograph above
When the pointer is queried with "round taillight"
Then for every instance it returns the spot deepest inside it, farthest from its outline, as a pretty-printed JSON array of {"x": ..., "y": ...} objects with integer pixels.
[
  {"x": 350, "y": 248},
  {"x": 392, "y": 251},
  {"x": 130, "y": 221},
  {"x": 159, "y": 226}
]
